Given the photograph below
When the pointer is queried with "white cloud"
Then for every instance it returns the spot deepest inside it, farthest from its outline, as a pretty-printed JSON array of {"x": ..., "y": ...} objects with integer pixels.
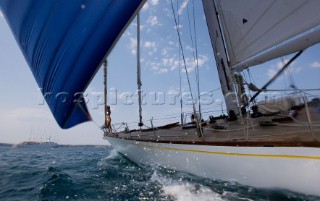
[
  {"x": 152, "y": 20},
  {"x": 154, "y": 2},
  {"x": 168, "y": 64},
  {"x": 145, "y": 6},
  {"x": 315, "y": 64},
  {"x": 192, "y": 64},
  {"x": 163, "y": 70},
  {"x": 183, "y": 6},
  {"x": 178, "y": 27},
  {"x": 273, "y": 70},
  {"x": 1, "y": 15},
  {"x": 149, "y": 44},
  {"x": 133, "y": 46},
  {"x": 280, "y": 64}
]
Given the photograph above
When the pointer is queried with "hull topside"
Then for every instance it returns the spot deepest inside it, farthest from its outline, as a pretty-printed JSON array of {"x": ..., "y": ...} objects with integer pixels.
[{"x": 293, "y": 168}]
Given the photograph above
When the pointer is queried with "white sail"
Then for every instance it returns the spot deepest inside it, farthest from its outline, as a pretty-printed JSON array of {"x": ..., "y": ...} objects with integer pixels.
[
  {"x": 252, "y": 27},
  {"x": 299, "y": 43}
]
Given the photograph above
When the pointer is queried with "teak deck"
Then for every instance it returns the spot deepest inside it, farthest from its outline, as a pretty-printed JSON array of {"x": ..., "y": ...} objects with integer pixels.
[{"x": 251, "y": 132}]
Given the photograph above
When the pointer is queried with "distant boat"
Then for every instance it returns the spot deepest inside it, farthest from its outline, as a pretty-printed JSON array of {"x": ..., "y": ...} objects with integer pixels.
[{"x": 35, "y": 144}]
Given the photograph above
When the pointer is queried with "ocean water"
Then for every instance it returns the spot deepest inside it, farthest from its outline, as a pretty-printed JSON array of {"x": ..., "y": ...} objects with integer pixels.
[{"x": 100, "y": 173}]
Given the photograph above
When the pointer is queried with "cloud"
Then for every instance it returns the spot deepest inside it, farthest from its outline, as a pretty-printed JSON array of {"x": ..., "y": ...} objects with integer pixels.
[
  {"x": 192, "y": 64},
  {"x": 1, "y": 15},
  {"x": 154, "y": 2},
  {"x": 145, "y": 6},
  {"x": 183, "y": 6},
  {"x": 168, "y": 64},
  {"x": 150, "y": 47},
  {"x": 178, "y": 27},
  {"x": 315, "y": 64},
  {"x": 133, "y": 46},
  {"x": 163, "y": 70},
  {"x": 152, "y": 20},
  {"x": 273, "y": 70},
  {"x": 280, "y": 64},
  {"x": 149, "y": 44}
]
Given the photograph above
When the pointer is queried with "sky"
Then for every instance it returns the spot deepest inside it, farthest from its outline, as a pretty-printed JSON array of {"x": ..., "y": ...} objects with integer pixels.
[{"x": 25, "y": 116}]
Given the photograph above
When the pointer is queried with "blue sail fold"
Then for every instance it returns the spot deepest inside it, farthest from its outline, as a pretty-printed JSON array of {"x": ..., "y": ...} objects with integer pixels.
[{"x": 64, "y": 42}]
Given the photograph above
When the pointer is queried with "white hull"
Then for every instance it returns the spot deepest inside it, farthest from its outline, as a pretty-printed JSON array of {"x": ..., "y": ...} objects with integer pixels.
[{"x": 293, "y": 168}]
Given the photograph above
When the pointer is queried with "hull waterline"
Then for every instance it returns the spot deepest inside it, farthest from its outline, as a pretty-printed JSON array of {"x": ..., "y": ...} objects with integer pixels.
[{"x": 293, "y": 168}]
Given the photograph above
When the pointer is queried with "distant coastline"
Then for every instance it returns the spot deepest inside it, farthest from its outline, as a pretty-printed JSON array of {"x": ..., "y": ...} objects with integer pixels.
[
  {"x": 61, "y": 145},
  {"x": 5, "y": 144}
]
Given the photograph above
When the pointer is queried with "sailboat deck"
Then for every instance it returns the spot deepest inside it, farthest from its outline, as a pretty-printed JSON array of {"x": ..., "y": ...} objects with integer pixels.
[{"x": 247, "y": 131}]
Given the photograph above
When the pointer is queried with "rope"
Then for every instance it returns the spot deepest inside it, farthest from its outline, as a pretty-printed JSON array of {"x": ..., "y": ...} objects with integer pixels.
[
  {"x": 180, "y": 45},
  {"x": 197, "y": 58},
  {"x": 195, "y": 49}
]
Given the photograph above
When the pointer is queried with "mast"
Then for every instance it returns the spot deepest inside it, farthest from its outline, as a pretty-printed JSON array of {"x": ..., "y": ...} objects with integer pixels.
[
  {"x": 107, "y": 128},
  {"x": 140, "y": 124},
  {"x": 105, "y": 90},
  {"x": 221, "y": 56}
]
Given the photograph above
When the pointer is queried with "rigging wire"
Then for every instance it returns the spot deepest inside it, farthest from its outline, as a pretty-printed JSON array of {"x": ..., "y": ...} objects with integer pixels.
[
  {"x": 185, "y": 67},
  {"x": 180, "y": 80},
  {"x": 182, "y": 52},
  {"x": 197, "y": 57},
  {"x": 195, "y": 49}
]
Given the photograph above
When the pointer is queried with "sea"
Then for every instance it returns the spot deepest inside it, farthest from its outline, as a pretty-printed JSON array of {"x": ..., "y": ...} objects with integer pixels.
[{"x": 100, "y": 173}]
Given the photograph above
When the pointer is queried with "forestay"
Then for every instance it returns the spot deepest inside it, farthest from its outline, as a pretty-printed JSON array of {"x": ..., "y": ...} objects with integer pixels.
[{"x": 64, "y": 43}]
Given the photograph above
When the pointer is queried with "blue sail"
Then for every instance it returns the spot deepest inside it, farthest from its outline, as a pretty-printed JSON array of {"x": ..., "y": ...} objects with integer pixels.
[{"x": 64, "y": 43}]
